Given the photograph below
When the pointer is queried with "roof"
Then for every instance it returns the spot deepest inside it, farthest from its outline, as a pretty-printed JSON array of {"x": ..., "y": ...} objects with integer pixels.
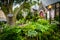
[
  {"x": 48, "y": 2},
  {"x": 2, "y": 16}
]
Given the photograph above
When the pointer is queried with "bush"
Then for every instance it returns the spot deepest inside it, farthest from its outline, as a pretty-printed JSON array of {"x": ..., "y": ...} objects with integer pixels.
[{"x": 31, "y": 31}]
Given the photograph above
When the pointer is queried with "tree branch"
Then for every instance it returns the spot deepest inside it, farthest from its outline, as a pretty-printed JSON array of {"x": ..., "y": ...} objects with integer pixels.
[{"x": 21, "y": 6}]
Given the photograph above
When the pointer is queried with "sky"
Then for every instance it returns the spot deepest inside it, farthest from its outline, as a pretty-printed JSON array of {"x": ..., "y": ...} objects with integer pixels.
[{"x": 14, "y": 6}]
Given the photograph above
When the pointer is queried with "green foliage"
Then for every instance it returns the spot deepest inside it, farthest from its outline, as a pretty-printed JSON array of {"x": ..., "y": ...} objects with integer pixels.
[
  {"x": 1, "y": 23},
  {"x": 26, "y": 5},
  {"x": 43, "y": 22},
  {"x": 32, "y": 31},
  {"x": 19, "y": 1},
  {"x": 21, "y": 21},
  {"x": 5, "y": 10},
  {"x": 57, "y": 18},
  {"x": 30, "y": 16},
  {"x": 19, "y": 16}
]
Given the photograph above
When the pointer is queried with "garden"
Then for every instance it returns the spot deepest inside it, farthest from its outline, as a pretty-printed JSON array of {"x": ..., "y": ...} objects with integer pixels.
[{"x": 39, "y": 30}]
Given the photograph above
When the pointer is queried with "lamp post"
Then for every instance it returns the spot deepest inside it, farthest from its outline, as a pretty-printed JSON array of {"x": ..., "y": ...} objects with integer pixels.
[
  {"x": 49, "y": 7},
  {"x": 46, "y": 15}
]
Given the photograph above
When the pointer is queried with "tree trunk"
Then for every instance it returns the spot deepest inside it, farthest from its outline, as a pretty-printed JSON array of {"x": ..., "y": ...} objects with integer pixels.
[{"x": 7, "y": 9}]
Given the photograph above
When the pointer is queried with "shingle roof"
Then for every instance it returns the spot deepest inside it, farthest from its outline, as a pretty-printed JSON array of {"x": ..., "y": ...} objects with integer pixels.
[
  {"x": 48, "y": 2},
  {"x": 2, "y": 16}
]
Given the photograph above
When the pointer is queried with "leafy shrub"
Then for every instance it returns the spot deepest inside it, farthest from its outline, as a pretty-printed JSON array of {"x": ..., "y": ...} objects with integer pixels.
[
  {"x": 43, "y": 21},
  {"x": 31, "y": 31},
  {"x": 21, "y": 21}
]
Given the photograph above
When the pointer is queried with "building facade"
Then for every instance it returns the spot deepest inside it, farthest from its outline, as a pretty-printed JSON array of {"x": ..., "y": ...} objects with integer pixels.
[{"x": 55, "y": 6}]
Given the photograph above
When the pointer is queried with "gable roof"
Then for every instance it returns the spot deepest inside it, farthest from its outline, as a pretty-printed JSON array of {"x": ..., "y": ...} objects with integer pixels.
[
  {"x": 2, "y": 16},
  {"x": 48, "y": 2}
]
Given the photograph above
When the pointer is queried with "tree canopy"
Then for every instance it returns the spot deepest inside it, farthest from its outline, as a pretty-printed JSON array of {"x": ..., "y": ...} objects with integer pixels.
[{"x": 8, "y": 4}]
